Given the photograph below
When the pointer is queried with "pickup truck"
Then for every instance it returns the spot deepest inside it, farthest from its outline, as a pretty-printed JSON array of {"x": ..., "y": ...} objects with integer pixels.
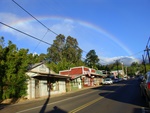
[{"x": 145, "y": 88}]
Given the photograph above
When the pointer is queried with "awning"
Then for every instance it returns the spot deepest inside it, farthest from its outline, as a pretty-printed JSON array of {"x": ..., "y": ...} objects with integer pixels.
[{"x": 46, "y": 76}]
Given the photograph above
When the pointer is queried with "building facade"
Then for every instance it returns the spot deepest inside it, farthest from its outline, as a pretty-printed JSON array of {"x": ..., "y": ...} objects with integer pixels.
[
  {"x": 44, "y": 82},
  {"x": 82, "y": 77}
]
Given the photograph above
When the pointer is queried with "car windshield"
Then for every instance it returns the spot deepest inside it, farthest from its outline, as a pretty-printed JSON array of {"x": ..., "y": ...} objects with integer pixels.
[{"x": 108, "y": 79}]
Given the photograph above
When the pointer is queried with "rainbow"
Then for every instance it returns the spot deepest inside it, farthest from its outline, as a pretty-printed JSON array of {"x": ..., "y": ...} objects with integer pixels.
[{"x": 83, "y": 23}]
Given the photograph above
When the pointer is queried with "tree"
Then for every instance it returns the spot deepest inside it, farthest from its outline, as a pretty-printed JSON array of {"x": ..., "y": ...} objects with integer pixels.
[
  {"x": 72, "y": 52},
  {"x": 2, "y": 65},
  {"x": 91, "y": 59},
  {"x": 55, "y": 52},
  {"x": 65, "y": 53},
  {"x": 15, "y": 66}
]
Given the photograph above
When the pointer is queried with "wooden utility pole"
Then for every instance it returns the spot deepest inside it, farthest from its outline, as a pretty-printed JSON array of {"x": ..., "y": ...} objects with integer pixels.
[
  {"x": 117, "y": 62},
  {"x": 147, "y": 50},
  {"x": 126, "y": 71},
  {"x": 144, "y": 64}
]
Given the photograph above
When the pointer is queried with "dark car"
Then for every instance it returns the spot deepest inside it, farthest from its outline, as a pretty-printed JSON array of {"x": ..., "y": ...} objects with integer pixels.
[{"x": 145, "y": 88}]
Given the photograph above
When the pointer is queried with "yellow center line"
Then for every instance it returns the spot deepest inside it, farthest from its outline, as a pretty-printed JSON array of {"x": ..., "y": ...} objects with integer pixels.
[
  {"x": 91, "y": 102},
  {"x": 85, "y": 105}
]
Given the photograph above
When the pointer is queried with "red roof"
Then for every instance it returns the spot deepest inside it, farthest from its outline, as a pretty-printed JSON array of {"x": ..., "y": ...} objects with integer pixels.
[{"x": 77, "y": 71}]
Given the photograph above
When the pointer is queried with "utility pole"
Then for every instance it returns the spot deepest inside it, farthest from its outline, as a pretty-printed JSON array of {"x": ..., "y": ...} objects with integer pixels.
[
  {"x": 147, "y": 50},
  {"x": 144, "y": 64},
  {"x": 126, "y": 71},
  {"x": 117, "y": 62},
  {"x": 122, "y": 69}
]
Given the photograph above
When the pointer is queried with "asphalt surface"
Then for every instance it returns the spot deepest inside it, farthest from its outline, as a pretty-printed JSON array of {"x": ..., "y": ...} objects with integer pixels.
[{"x": 122, "y": 97}]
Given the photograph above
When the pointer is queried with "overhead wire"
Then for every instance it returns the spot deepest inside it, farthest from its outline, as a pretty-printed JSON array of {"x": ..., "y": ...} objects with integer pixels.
[
  {"x": 148, "y": 41},
  {"x": 25, "y": 33},
  {"x": 40, "y": 41},
  {"x": 136, "y": 53},
  {"x": 38, "y": 20},
  {"x": 34, "y": 17}
]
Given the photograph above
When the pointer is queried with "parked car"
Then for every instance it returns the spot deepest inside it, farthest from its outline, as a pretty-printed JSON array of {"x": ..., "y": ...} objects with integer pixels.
[
  {"x": 125, "y": 78},
  {"x": 145, "y": 88},
  {"x": 120, "y": 79},
  {"x": 115, "y": 80},
  {"x": 107, "y": 81}
]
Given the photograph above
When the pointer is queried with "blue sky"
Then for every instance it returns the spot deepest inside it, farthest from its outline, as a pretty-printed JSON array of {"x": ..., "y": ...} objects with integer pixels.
[{"x": 115, "y": 29}]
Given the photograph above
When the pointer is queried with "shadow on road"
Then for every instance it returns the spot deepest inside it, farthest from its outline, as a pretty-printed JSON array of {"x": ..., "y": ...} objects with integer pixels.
[
  {"x": 2, "y": 106},
  {"x": 57, "y": 110},
  {"x": 113, "y": 86},
  {"x": 48, "y": 98},
  {"x": 129, "y": 93},
  {"x": 45, "y": 104}
]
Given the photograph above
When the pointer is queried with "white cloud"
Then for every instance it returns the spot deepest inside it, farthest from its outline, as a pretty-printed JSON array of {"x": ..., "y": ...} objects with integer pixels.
[
  {"x": 32, "y": 27},
  {"x": 123, "y": 59},
  {"x": 65, "y": 27}
]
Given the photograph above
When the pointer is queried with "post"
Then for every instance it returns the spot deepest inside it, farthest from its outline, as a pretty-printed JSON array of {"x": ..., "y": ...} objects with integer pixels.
[
  {"x": 117, "y": 68},
  {"x": 122, "y": 69},
  {"x": 144, "y": 64},
  {"x": 126, "y": 71},
  {"x": 147, "y": 50}
]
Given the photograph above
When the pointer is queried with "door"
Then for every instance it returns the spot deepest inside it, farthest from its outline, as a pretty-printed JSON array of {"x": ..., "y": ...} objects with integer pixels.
[{"x": 37, "y": 93}]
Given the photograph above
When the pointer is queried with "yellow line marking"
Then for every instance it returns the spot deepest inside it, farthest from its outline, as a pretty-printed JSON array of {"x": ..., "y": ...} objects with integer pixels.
[
  {"x": 91, "y": 102},
  {"x": 86, "y": 105}
]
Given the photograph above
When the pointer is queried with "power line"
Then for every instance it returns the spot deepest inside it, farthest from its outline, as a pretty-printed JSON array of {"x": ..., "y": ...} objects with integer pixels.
[
  {"x": 28, "y": 34},
  {"x": 38, "y": 20},
  {"x": 34, "y": 17},
  {"x": 137, "y": 53},
  {"x": 148, "y": 41},
  {"x": 40, "y": 41},
  {"x": 25, "y": 33}
]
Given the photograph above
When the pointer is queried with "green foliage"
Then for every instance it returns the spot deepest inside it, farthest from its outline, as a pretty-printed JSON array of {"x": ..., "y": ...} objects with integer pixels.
[
  {"x": 147, "y": 67},
  {"x": 2, "y": 65},
  {"x": 91, "y": 59},
  {"x": 55, "y": 52},
  {"x": 64, "y": 53},
  {"x": 72, "y": 52},
  {"x": 14, "y": 64},
  {"x": 62, "y": 65},
  {"x": 135, "y": 68}
]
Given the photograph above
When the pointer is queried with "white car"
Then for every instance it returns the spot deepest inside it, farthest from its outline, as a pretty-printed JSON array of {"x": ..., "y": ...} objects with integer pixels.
[
  {"x": 125, "y": 78},
  {"x": 107, "y": 81}
]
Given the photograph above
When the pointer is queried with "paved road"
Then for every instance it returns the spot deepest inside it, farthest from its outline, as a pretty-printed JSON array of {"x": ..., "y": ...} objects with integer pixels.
[{"x": 123, "y": 97}]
